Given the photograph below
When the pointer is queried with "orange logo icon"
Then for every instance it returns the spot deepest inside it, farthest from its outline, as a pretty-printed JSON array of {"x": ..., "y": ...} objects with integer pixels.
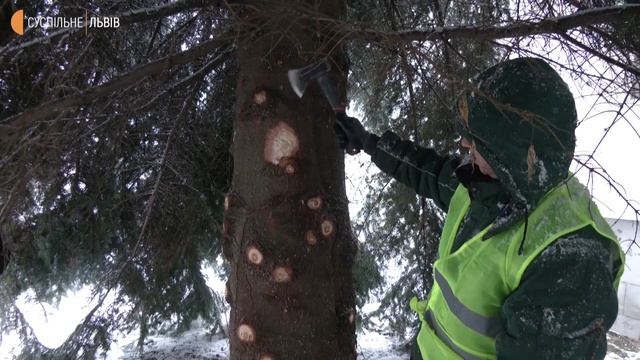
[{"x": 17, "y": 22}]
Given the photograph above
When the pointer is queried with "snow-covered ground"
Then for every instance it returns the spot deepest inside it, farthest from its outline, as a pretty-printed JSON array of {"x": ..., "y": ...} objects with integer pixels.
[
  {"x": 196, "y": 344},
  {"x": 621, "y": 347},
  {"x": 52, "y": 326}
]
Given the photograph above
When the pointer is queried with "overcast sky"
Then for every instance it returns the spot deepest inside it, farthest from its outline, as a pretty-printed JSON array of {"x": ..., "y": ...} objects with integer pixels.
[{"x": 617, "y": 154}]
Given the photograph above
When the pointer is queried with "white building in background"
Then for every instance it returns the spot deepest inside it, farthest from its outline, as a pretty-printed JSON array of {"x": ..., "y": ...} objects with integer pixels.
[{"x": 628, "y": 321}]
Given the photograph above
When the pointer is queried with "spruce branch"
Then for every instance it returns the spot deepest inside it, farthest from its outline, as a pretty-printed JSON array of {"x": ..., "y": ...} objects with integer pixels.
[
  {"x": 161, "y": 166},
  {"x": 554, "y": 25},
  {"x": 120, "y": 82},
  {"x": 128, "y": 17}
]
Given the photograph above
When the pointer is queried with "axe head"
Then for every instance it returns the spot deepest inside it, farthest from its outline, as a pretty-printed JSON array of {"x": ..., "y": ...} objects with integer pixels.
[{"x": 300, "y": 78}]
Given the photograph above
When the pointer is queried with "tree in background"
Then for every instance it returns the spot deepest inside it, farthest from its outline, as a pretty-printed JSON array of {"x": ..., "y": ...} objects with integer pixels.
[
  {"x": 115, "y": 161},
  {"x": 115, "y": 154}
]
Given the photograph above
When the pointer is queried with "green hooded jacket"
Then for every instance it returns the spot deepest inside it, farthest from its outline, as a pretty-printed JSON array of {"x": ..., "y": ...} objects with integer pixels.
[{"x": 521, "y": 117}]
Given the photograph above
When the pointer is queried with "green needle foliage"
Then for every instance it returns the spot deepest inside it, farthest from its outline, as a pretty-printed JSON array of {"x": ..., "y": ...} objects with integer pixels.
[{"x": 124, "y": 194}]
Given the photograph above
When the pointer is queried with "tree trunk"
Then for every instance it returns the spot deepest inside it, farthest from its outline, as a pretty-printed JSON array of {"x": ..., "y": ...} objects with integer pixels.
[{"x": 287, "y": 230}]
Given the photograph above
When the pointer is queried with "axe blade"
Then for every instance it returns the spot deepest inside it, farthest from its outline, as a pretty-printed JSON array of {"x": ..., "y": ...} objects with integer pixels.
[
  {"x": 297, "y": 83},
  {"x": 300, "y": 78}
]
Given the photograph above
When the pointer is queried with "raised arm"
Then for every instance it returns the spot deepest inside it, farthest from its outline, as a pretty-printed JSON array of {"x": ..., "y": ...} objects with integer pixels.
[{"x": 422, "y": 169}]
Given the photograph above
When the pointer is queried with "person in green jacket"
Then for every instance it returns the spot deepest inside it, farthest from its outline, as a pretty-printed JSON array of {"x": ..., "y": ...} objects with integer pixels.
[{"x": 527, "y": 267}]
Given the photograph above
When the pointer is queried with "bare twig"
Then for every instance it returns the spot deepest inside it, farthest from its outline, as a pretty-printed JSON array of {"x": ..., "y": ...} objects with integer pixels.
[{"x": 602, "y": 56}]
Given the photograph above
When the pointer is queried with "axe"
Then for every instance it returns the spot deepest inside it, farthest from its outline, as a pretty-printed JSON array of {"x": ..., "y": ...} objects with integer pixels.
[{"x": 300, "y": 78}]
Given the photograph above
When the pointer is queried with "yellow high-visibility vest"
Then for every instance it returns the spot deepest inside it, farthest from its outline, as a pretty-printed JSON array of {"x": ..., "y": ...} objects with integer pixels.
[{"x": 461, "y": 318}]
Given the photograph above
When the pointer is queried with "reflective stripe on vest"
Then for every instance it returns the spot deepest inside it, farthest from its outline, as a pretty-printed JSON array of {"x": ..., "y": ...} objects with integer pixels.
[
  {"x": 487, "y": 325},
  {"x": 461, "y": 318},
  {"x": 428, "y": 317}
]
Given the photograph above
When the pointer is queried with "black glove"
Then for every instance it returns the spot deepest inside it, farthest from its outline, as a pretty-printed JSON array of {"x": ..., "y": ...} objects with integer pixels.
[{"x": 352, "y": 136}]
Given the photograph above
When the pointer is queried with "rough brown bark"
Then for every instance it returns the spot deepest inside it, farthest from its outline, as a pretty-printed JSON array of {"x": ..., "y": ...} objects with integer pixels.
[{"x": 287, "y": 232}]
